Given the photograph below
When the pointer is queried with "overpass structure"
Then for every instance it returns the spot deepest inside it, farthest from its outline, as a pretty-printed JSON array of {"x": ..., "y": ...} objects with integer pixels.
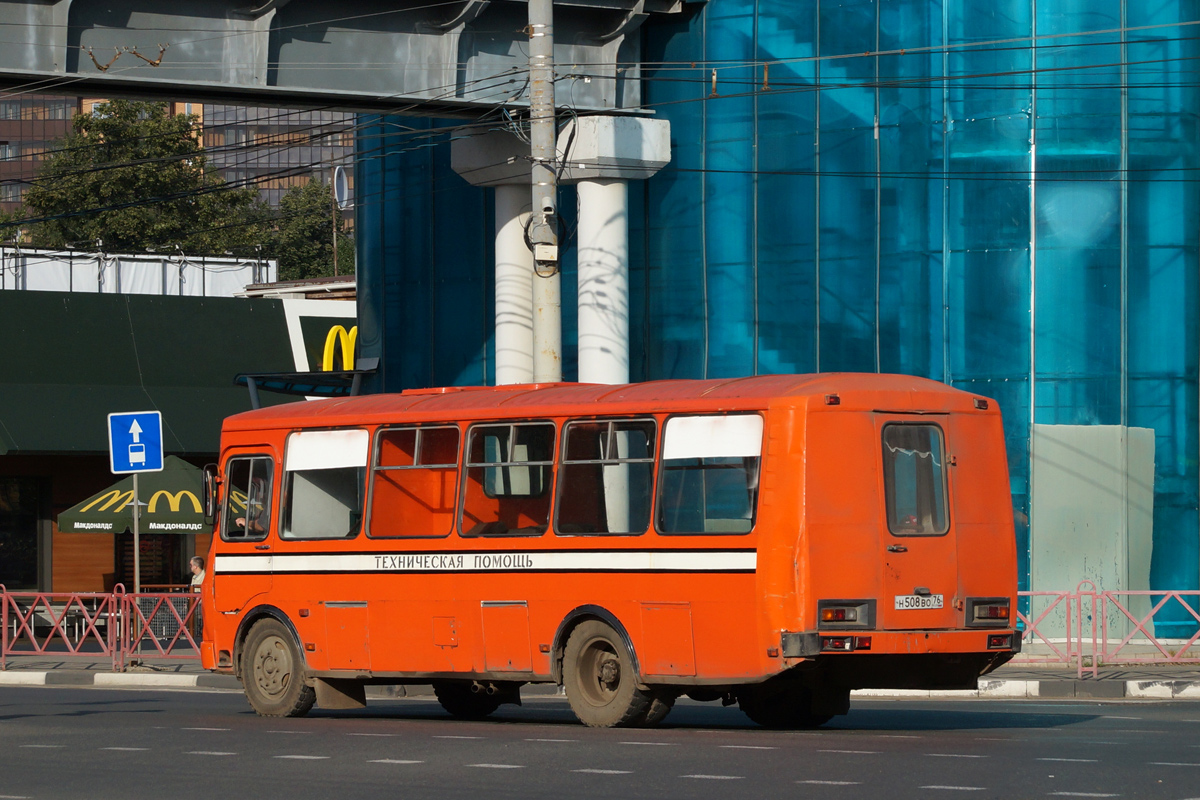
[
  {"x": 389, "y": 56},
  {"x": 455, "y": 58}
]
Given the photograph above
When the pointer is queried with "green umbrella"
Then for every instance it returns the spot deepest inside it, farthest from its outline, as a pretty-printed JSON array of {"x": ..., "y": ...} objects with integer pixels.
[{"x": 170, "y": 501}]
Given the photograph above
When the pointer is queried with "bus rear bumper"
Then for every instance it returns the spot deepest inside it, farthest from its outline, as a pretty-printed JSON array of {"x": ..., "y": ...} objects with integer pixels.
[
  {"x": 902, "y": 659},
  {"x": 810, "y": 644}
]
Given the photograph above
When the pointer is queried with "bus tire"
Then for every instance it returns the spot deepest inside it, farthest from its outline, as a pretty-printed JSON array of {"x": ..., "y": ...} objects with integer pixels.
[
  {"x": 457, "y": 698},
  {"x": 782, "y": 708},
  {"x": 600, "y": 680},
  {"x": 660, "y": 705},
  {"x": 273, "y": 672}
]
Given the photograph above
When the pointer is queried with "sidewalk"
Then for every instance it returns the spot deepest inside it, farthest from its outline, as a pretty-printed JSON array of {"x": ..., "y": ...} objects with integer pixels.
[{"x": 1151, "y": 682}]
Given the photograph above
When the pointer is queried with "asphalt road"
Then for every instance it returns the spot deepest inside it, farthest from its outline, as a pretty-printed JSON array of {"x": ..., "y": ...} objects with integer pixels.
[{"x": 110, "y": 743}]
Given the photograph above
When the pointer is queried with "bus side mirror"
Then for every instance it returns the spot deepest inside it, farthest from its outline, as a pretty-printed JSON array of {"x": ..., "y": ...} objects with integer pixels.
[{"x": 210, "y": 493}]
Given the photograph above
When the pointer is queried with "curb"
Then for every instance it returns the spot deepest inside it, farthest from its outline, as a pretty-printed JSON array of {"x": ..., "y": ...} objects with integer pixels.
[
  {"x": 1057, "y": 689},
  {"x": 988, "y": 689},
  {"x": 126, "y": 680}
]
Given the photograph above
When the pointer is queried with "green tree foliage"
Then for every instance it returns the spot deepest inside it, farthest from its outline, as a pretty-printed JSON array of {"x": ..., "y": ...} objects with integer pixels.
[
  {"x": 135, "y": 177},
  {"x": 302, "y": 235}
]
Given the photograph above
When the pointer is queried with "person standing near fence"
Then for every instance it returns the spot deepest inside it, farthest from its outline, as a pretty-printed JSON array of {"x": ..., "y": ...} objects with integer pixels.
[{"x": 197, "y": 567}]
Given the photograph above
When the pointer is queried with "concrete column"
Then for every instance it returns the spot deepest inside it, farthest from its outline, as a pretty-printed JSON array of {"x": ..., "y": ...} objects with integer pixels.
[
  {"x": 514, "y": 287},
  {"x": 603, "y": 281}
]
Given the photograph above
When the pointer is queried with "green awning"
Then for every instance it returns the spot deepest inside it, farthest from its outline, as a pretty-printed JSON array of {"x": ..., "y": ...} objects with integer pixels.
[
  {"x": 72, "y": 358},
  {"x": 170, "y": 502}
]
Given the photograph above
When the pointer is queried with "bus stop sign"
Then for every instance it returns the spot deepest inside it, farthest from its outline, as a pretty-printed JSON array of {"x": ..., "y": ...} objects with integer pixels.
[{"x": 135, "y": 442}]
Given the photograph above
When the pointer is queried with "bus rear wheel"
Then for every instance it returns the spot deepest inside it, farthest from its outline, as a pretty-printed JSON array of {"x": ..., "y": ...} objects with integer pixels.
[
  {"x": 785, "y": 708},
  {"x": 600, "y": 680},
  {"x": 457, "y": 698},
  {"x": 273, "y": 673}
]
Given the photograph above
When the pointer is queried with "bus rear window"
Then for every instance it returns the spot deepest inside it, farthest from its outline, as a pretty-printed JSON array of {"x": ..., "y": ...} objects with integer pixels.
[
  {"x": 914, "y": 480},
  {"x": 709, "y": 479}
]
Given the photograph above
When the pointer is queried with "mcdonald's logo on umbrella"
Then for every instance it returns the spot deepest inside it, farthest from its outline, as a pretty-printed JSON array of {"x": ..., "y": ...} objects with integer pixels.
[{"x": 174, "y": 505}]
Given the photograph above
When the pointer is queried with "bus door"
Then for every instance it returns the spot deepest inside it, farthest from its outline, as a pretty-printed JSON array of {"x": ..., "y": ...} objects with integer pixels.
[
  {"x": 918, "y": 542},
  {"x": 242, "y": 567}
]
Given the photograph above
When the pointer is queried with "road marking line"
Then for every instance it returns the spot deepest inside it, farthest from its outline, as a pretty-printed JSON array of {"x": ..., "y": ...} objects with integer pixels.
[
  {"x": 13, "y": 797},
  {"x": 654, "y": 744},
  {"x": 305, "y": 732},
  {"x": 1072, "y": 760},
  {"x": 304, "y": 758},
  {"x": 498, "y": 766},
  {"x": 204, "y": 729},
  {"x": 210, "y": 753},
  {"x": 715, "y": 777},
  {"x": 893, "y": 736},
  {"x": 1112, "y": 716},
  {"x": 957, "y": 788},
  {"x": 853, "y": 752},
  {"x": 833, "y": 783},
  {"x": 1174, "y": 764},
  {"x": 552, "y": 740},
  {"x": 747, "y": 747},
  {"x": 46, "y": 746},
  {"x": 371, "y": 734},
  {"x": 605, "y": 771},
  {"x": 953, "y": 755},
  {"x": 126, "y": 749},
  {"x": 1082, "y": 794},
  {"x": 458, "y": 737},
  {"x": 393, "y": 761}
]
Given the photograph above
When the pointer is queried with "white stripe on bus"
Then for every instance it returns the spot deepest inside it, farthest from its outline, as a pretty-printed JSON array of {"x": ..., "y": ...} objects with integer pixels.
[{"x": 529, "y": 561}]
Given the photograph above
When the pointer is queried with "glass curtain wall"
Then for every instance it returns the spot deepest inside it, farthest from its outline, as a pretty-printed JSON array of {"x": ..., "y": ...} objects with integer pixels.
[
  {"x": 998, "y": 194},
  {"x": 1003, "y": 197}
]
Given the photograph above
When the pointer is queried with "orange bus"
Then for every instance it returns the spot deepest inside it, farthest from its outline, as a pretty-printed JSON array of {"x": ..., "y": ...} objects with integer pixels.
[{"x": 774, "y": 541}]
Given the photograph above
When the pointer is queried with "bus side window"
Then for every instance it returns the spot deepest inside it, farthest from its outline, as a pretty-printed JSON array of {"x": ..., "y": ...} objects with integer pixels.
[
  {"x": 415, "y": 482},
  {"x": 248, "y": 487},
  {"x": 709, "y": 479},
  {"x": 606, "y": 477},
  {"x": 324, "y": 474},
  {"x": 507, "y": 486}
]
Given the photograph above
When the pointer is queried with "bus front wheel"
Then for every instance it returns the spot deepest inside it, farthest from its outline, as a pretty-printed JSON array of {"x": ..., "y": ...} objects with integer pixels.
[
  {"x": 273, "y": 673},
  {"x": 600, "y": 680}
]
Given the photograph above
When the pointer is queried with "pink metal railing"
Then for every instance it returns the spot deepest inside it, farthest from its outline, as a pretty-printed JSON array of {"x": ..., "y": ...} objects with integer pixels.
[
  {"x": 122, "y": 626},
  {"x": 1089, "y": 640},
  {"x": 114, "y": 625}
]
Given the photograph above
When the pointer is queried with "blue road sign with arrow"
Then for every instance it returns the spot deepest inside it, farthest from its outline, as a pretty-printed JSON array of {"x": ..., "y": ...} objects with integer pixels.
[{"x": 135, "y": 442}]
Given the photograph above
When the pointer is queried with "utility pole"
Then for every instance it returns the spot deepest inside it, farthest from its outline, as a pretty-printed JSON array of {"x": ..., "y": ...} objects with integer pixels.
[
  {"x": 333, "y": 215},
  {"x": 543, "y": 227}
]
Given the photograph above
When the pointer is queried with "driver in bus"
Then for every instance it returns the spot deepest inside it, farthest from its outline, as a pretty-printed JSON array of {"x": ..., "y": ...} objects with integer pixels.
[{"x": 256, "y": 519}]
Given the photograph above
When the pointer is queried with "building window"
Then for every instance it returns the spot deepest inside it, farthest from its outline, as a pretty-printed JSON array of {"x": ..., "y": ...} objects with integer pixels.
[{"x": 19, "y": 501}]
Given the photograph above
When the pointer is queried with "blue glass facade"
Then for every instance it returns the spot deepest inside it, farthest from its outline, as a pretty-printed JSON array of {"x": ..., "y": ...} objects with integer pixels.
[{"x": 1004, "y": 199}]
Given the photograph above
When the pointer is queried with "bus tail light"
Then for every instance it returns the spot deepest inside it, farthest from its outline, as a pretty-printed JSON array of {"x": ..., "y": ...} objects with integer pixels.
[
  {"x": 857, "y": 613},
  {"x": 988, "y": 612},
  {"x": 1000, "y": 641},
  {"x": 845, "y": 644}
]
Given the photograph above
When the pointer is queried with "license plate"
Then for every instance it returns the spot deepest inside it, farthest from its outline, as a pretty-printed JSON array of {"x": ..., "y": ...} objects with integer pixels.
[{"x": 908, "y": 602}]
